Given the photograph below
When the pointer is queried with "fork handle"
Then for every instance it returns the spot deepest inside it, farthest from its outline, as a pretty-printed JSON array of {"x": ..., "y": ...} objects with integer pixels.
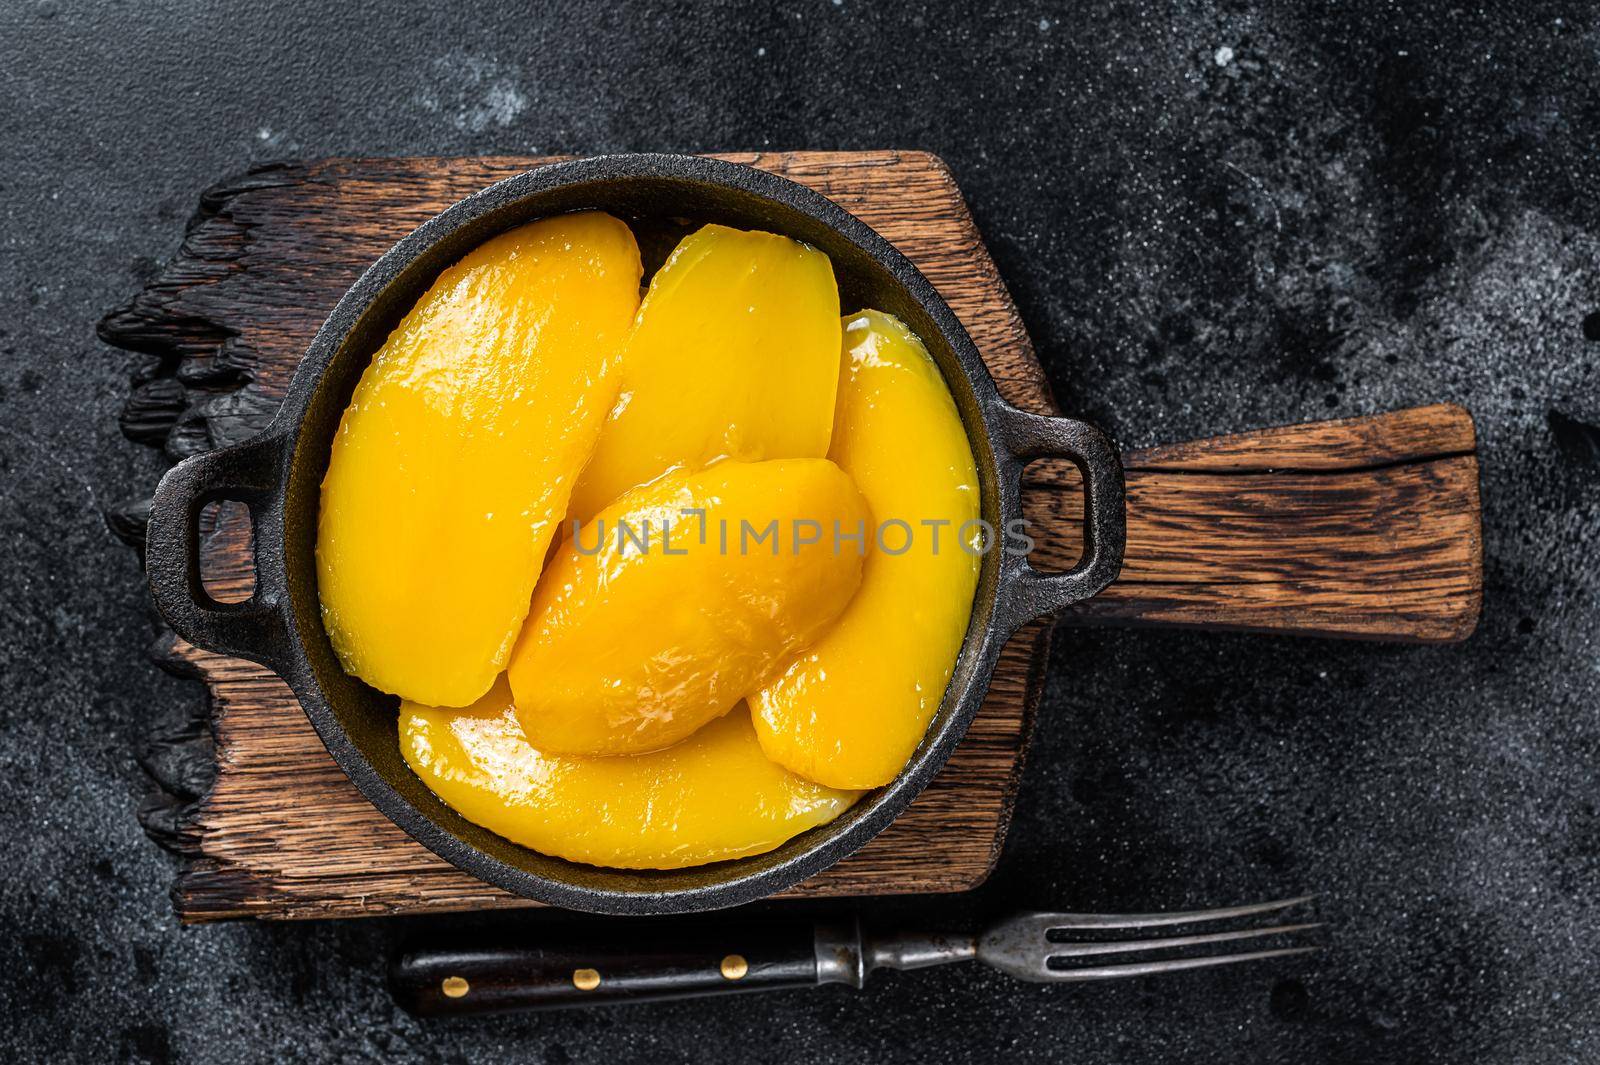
[
  {"x": 614, "y": 962},
  {"x": 608, "y": 964}
]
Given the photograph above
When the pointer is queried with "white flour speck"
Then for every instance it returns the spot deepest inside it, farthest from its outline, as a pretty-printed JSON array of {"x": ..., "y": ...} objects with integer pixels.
[{"x": 477, "y": 92}]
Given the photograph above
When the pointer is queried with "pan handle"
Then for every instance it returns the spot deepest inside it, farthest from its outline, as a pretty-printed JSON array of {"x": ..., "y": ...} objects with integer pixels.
[
  {"x": 247, "y": 473},
  {"x": 1026, "y": 593}
]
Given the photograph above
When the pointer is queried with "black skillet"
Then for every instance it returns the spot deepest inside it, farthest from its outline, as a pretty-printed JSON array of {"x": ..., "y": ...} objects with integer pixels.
[{"x": 278, "y": 475}]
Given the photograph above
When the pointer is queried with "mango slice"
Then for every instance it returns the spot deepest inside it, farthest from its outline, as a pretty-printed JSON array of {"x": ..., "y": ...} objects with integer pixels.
[
  {"x": 711, "y": 798},
  {"x": 849, "y": 711},
  {"x": 456, "y": 457},
  {"x": 735, "y": 354},
  {"x": 631, "y": 648}
]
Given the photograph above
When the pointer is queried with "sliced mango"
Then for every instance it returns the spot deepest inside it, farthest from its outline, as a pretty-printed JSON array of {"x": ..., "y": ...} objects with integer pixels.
[
  {"x": 455, "y": 460},
  {"x": 632, "y": 645},
  {"x": 849, "y": 711},
  {"x": 711, "y": 798},
  {"x": 735, "y": 354}
]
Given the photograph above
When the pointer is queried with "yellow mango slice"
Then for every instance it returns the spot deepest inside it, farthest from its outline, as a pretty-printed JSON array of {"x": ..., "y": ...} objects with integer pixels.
[
  {"x": 455, "y": 460},
  {"x": 849, "y": 710},
  {"x": 629, "y": 650},
  {"x": 735, "y": 354},
  {"x": 713, "y": 797}
]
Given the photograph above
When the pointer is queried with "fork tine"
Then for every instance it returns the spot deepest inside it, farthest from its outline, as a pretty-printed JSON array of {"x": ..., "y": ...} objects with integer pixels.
[
  {"x": 1084, "y": 950},
  {"x": 1146, "y": 968},
  {"x": 1155, "y": 920}
]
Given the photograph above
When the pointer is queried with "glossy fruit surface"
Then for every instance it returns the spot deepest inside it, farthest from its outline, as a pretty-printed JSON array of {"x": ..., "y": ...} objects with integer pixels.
[
  {"x": 849, "y": 710},
  {"x": 713, "y": 797},
  {"x": 735, "y": 354},
  {"x": 456, "y": 457},
  {"x": 636, "y": 640}
]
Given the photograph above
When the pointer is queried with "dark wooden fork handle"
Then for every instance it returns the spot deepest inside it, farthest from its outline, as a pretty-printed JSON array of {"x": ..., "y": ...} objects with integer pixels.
[{"x": 613, "y": 964}]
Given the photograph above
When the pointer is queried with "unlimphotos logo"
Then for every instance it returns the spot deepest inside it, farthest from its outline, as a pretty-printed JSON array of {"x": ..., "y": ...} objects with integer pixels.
[{"x": 666, "y": 535}]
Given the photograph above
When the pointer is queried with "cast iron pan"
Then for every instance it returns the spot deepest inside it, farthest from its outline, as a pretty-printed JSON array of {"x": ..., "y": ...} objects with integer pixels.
[{"x": 278, "y": 475}]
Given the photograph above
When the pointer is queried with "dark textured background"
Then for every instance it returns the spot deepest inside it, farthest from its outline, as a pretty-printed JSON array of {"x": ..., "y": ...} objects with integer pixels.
[{"x": 1213, "y": 217}]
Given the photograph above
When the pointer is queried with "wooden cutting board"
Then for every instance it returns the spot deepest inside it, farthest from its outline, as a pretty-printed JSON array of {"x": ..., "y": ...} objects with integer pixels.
[{"x": 1361, "y": 528}]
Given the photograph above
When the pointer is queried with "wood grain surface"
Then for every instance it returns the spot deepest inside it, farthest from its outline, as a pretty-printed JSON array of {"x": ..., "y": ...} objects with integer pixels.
[{"x": 1366, "y": 528}]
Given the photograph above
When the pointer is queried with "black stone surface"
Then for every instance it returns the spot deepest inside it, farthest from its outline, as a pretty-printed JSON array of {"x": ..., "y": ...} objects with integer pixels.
[{"x": 1213, "y": 216}]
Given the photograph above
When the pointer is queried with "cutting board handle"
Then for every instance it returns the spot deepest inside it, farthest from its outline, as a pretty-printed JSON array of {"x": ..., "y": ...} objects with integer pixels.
[{"x": 1366, "y": 527}]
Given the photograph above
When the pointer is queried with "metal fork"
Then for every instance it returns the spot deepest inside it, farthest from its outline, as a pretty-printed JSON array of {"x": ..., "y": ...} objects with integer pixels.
[
  {"x": 611, "y": 962},
  {"x": 1021, "y": 946}
]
